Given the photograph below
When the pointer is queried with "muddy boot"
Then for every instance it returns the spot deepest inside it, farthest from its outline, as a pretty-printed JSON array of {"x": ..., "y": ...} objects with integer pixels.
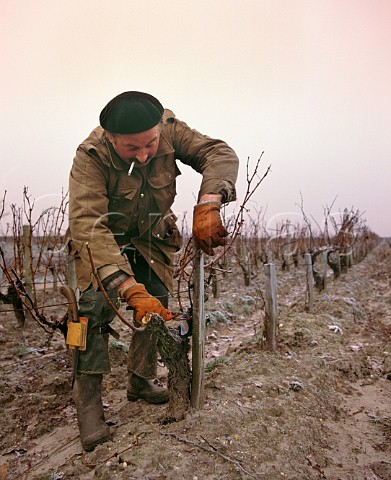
[
  {"x": 142, "y": 369},
  {"x": 90, "y": 417},
  {"x": 152, "y": 391}
]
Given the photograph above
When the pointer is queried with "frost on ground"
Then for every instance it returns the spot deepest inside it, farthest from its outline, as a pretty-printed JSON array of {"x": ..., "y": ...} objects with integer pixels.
[{"x": 319, "y": 408}]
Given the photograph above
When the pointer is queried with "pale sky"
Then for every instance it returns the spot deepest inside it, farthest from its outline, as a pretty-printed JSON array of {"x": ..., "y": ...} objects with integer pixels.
[{"x": 306, "y": 81}]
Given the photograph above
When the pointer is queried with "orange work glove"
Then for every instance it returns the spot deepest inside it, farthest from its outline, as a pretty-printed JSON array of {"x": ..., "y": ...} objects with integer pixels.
[
  {"x": 208, "y": 229},
  {"x": 140, "y": 300}
]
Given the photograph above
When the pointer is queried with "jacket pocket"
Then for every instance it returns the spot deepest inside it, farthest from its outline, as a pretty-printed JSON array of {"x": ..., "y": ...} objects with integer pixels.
[
  {"x": 121, "y": 197},
  {"x": 163, "y": 185},
  {"x": 74, "y": 247},
  {"x": 167, "y": 232},
  {"x": 164, "y": 178},
  {"x": 122, "y": 206}
]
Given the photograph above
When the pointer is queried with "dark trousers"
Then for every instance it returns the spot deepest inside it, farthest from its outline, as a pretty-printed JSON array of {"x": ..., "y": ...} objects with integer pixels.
[
  {"x": 144, "y": 274},
  {"x": 142, "y": 356}
]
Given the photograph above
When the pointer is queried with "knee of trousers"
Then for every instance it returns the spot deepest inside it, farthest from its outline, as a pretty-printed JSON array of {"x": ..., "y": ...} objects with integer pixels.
[{"x": 95, "y": 359}]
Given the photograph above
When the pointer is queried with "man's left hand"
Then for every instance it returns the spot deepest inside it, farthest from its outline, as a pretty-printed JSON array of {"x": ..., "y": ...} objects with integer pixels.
[{"x": 208, "y": 229}]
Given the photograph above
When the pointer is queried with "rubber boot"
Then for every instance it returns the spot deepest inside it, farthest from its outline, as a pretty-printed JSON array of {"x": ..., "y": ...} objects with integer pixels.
[
  {"x": 142, "y": 370},
  {"x": 152, "y": 391},
  {"x": 90, "y": 417}
]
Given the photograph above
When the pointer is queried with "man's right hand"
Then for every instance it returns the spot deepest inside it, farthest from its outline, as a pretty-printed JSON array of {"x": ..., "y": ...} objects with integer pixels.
[{"x": 142, "y": 302}]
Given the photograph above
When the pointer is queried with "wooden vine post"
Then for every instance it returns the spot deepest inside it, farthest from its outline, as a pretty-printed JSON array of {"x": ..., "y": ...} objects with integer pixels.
[
  {"x": 3, "y": 248},
  {"x": 28, "y": 274},
  {"x": 71, "y": 275},
  {"x": 271, "y": 307},
  {"x": 287, "y": 251},
  {"x": 337, "y": 274},
  {"x": 310, "y": 283},
  {"x": 198, "y": 339},
  {"x": 324, "y": 268},
  {"x": 27, "y": 264},
  {"x": 54, "y": 273}
]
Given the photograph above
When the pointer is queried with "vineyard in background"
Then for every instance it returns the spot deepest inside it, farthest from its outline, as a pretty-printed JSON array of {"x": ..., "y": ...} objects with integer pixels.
[{"x": 34, "y": 260}]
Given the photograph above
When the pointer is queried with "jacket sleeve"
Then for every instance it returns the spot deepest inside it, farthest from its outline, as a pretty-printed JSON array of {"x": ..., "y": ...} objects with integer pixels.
[
  {"x": 88, "y": 215},
  {"x": 213, "y": 158}
]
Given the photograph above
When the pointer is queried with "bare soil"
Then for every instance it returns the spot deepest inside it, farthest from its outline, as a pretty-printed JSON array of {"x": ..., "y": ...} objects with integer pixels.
[{"x": 319, "y": 408}]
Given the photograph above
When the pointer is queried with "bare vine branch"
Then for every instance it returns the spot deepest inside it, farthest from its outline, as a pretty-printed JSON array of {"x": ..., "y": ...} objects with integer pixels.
[{"x": 107, "y": 298}]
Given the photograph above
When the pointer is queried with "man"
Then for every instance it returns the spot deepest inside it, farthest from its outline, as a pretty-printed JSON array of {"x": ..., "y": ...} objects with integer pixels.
[{"x": 122, "y": 186}]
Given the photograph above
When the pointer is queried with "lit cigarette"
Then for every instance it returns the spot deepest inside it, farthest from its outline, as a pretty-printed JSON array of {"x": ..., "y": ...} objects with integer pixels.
[{"x": 130, "y": 169}]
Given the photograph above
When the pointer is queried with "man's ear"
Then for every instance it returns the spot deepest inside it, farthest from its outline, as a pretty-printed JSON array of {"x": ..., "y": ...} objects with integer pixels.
[{"x": 109, "y": 136}]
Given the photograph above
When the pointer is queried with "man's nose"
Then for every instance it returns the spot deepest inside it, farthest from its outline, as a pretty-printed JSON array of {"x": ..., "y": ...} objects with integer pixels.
[{"x": 142, "y": 156}]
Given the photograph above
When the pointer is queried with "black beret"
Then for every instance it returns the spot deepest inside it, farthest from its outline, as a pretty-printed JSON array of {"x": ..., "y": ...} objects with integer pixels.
[{"x": 131, "y": 112}]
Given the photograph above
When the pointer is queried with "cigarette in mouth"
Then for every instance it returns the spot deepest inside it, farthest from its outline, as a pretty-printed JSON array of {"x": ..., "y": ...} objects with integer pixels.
[{"x": 130, "y": 169}]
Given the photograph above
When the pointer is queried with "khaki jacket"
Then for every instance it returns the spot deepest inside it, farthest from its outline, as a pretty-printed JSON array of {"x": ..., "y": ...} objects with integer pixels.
[{"x": 109, "y": 209}]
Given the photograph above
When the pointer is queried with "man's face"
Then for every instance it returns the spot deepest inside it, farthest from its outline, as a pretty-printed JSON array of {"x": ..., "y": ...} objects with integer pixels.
[{"x": 139, "y": 147}]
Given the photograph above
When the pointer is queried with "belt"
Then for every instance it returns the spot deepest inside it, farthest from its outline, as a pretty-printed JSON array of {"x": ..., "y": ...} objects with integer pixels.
[{"x": 104, "y": 329}]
